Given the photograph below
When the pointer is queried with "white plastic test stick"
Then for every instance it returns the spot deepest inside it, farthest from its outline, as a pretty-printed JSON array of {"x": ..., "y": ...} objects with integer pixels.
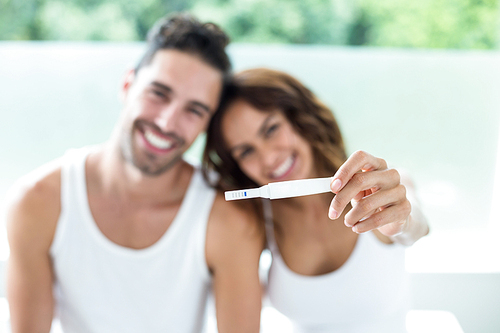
[{"x": 280, "y": 190}]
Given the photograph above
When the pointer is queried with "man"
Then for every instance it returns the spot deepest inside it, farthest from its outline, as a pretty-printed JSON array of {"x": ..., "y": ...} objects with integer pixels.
[{"x": 126, "y": 236}]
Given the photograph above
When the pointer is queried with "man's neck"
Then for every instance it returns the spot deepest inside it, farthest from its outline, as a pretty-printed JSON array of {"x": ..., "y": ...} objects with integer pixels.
[{"x": 121, "y": 179}]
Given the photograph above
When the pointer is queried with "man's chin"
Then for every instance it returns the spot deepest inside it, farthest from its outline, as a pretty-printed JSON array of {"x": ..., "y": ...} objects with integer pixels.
[
  {"x": 155, "y": 169},
  {"x": 148, "y": 164}
]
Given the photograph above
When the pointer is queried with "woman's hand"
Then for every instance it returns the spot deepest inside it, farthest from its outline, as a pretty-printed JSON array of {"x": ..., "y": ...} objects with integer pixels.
[{"x": 378, "y": 198}]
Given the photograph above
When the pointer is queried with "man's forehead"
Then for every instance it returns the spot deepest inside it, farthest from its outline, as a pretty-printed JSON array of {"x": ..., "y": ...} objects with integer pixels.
[
  {"x": 180, "y": 61},
  {"x": 185, "y": 74}
]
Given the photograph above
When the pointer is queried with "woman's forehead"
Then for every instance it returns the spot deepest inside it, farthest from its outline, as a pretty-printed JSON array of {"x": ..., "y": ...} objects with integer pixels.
[{"x": 243, "y": 121}]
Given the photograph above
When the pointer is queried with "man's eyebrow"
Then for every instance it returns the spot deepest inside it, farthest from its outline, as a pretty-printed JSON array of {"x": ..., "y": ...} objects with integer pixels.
[{"x": 161, "y": 86}]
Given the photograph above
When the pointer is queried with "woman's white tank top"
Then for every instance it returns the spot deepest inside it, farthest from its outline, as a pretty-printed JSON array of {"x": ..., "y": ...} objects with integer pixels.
[
  {"x": 102, "y": 287},
  {"x": 369, "y": 293}
]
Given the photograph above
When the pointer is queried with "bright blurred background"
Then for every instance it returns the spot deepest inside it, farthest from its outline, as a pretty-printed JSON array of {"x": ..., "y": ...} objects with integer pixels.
[
  {"x": 415, "y": 82},
  {"x": 442, "y": 24}
]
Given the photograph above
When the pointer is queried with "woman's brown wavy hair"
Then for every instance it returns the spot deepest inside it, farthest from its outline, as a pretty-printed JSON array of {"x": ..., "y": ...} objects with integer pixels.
[{"x": 269, "y": 90}]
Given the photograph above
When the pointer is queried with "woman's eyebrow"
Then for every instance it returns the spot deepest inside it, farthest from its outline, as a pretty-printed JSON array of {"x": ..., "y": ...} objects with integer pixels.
[{"x": 260, "y": 132}]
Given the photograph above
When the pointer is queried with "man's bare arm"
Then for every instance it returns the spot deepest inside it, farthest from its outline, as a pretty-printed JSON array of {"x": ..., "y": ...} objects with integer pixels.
[
  {"x": 234, "y": 243},
  {"x": 31, "y": 219}
]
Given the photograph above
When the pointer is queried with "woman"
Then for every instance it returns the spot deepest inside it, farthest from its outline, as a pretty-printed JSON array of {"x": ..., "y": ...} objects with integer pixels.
[{"x": 345, "y": 275}]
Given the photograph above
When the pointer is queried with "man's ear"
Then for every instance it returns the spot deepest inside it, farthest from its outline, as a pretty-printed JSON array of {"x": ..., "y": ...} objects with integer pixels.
[{"x": 128, "y": 79}]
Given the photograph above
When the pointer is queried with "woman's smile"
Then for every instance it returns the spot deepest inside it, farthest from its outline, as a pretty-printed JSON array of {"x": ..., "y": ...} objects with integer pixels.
[
  {"x": 265, "y": 145},
  {"x": 284, "y": 169}
]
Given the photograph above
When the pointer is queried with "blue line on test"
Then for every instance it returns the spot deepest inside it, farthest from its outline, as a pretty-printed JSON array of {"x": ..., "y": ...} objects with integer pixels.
[{"x": 245, "y": 193}]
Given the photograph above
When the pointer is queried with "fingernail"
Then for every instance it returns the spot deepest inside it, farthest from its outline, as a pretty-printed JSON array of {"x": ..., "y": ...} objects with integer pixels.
[
  {"x": 336, "y": 185},
  {"x": 332, "y": 214}
]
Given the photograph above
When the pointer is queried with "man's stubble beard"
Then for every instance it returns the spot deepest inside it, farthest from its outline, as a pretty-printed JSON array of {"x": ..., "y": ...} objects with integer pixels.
[{"x": 149, "y": 169}]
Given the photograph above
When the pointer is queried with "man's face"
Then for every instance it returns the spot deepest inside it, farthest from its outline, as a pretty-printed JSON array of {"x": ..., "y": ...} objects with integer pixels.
[{"x": 166, "y": 105}]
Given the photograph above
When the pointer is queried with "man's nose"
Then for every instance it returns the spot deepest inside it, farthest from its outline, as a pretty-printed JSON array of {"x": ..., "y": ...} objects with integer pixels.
[{"x": 168, "y": 117}]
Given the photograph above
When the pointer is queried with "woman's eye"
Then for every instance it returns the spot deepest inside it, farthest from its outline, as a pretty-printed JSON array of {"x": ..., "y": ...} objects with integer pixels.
[
  {"x": 271, "y": 129},
  {"x": 245, "y": 153}
]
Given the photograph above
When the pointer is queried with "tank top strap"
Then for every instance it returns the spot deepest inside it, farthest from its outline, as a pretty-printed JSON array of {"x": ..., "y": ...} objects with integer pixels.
[
  {"x": 72, "y": 188},
  {"x": 269, "y": 225}
]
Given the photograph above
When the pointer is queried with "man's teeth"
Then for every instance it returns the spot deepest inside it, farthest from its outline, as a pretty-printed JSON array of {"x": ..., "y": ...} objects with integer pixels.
[
  {"x": 157, "y": 141},
  {"x": 283, "y": 168}
]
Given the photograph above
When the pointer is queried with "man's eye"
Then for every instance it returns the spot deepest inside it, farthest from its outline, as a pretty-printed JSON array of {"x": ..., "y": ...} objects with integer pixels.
[
  {"x": 157, "y": 95},
  {"x": 197, "y": 112}
]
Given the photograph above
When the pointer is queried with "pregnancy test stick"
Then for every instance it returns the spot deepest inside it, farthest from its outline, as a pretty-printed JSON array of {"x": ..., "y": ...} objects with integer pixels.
[{"x": 280, "y": 190}]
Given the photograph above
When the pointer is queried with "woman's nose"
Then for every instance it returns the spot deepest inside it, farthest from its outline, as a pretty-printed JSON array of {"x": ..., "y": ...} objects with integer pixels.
[{"x": 268, "y": 157}]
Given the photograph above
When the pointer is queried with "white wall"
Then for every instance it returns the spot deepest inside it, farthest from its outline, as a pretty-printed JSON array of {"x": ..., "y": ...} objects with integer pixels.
[{"x": 434, "y": 113}]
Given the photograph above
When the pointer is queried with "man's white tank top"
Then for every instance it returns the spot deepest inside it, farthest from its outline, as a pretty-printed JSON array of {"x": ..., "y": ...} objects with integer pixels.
[
  {"x": 102, "y": 287},
  {"x": 368, "y": 293}
]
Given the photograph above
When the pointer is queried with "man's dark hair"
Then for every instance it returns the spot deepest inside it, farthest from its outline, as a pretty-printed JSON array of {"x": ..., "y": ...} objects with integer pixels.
[{"x": 185, "y": 33}]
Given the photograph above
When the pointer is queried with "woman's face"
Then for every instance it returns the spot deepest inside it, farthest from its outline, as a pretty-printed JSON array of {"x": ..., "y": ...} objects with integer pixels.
[{"x": 265, "y": 145}]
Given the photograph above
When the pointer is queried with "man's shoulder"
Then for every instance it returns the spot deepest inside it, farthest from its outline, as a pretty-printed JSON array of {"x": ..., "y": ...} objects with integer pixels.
[
  {"x": 235, "y": 216},
  {"x": 44, "y": 182},
  {"x": 39, "y": 183},
  {"x": 33, "y": 202},
  {"x": 234, "y": 228}
]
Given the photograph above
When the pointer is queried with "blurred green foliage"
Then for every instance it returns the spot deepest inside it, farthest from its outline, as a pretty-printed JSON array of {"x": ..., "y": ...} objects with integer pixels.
[{"x": 458, "y": 24}]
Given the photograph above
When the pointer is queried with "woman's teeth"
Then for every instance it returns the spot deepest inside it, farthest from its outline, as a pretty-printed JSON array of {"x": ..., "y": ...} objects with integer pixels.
[
  {"x": 156, "y": 141},
  {"x": 283, "y": 168}
]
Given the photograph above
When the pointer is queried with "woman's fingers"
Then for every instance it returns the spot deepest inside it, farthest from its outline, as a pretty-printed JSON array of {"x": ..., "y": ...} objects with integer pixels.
[
  {"x": 357, "y": 162},
  {"x": 363, "y": 184},
  {"x": 376, "y": 202},
  {"x": 390, "y": 221},
  {"x": 377, "y": 196}
]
